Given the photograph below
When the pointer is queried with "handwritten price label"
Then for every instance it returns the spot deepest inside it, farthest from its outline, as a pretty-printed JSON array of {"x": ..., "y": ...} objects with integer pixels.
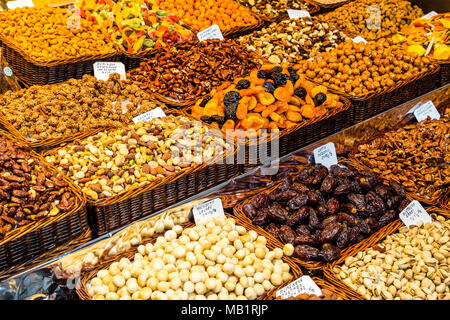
[
  {"x": 295, "y": 14},
  {"x": 414, "y": 213},
  {"x": 148, "y": 116},
  {"x": 208, "y": 209},
  {"x": 426, "y": 110},
  {"x": 326, "y": 155},
  {"x": 302, "y": 285},
  {"x": 102, "y": 69},
  {"x": 359, "y": 39},
  {"x": 212, "y": 32}
]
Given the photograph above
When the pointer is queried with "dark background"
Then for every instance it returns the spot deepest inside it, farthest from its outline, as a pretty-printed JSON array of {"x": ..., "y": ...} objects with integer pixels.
[{"x": 440, "y": 6}]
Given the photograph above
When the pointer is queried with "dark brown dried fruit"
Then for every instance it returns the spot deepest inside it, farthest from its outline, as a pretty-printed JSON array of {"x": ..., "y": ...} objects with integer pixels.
[
  {"x": 387, "y": 218},
  {"x": 277, "y": 213},
  {"x": 329, "y": 252},
  {"x": 273, "y": 230},
  {"x": 298, "y": 202},
  {"x": 259, "y": 200},
  {"x": 343, "y": 237},
  {"x": 328, "y": 184},
  {"x": 249, "y": 210},
  {"x": 330, "y": 232},
  {"x": 306, "y": 239},
  {"x": 306, "y": 252},
  {"x": 314, "y": 221},
  {"x": 286, "y": 234},
  {"x": 332, "y": 206},
  {"x": 328, "y": 220}
]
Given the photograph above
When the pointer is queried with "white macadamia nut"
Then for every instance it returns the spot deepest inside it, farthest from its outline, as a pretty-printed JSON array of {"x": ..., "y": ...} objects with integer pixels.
[{"x": 288, "y": 249}]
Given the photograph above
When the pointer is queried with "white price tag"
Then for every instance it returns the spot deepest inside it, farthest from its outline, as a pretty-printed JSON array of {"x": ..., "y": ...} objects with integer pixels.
[
  {"x": 414, "y": 213},
  {"x": 208, "y": 209},
  {"x": 148, "y": 116},
  {"x": 426, "y": 110},
  {"x": 295, "y": 14},
  {"x": 103, "y": 69},
  {"x": 212, "y": 32},
  {"x": 302, "y": 285},
  {"x": 359, "y": 39},
  {"x": 326, "y": 155},
  {"x": 19, "y": 4},
  {"x": 429, "y": 15}
]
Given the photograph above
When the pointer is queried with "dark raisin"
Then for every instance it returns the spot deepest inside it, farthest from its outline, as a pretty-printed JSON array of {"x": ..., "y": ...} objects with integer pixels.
[
  {"x": 231, "y": 97},
  {"x": 230, "y": 111},
  {"x": 300, "y": 92},
  {"x": 242, "y": 84},
  {"x": 205, "y": 101},
  {"x": 206, "y": 119},
  {"x": 263, "y": 74},
  {"x": 219, "y": 119},
  {"x": 279, "y": 79},
  {"x": 319, "y": 99}
]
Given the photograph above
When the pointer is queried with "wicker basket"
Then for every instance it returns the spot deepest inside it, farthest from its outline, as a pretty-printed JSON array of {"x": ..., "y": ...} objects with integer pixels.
[
  {"x": 29, "y": 243},
  {"x": 341, "y": 295},
  {"x": 32, "y": 72},
  {"x": 313, "y": 8},
  {"x": 312, "y": 265},
  {"x": 84, "y": 295},
  {"x": 294, "y": 138},
  {"x": 367, "y": 106},
  {"x": 329, "y": 6},
  {"x": 133, "y": 60},
  {"x": 444, "y": 71},
  {"x": 367, "y": 243}
]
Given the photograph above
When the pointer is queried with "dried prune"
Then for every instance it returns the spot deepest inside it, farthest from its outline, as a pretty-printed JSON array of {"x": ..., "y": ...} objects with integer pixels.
[
  {"x": 297, "y": 202},
  {"x": 259, "y": 200},
  {"x": 343, "y": 236},
  {"x": 302, "y": 229},
  {"x": 263, "y": 74},
  {"x": 298, "y": 216},
  {"x": 375, "y": 201},
  {"x": 279, "y": 79},
  {"x": 249, "y": 210},
  {"x": 273, "y": 229},
  {"x": 242, "y": 84},
  {"x": 269, "y": 86},
  {"x": 277, "y": 213},
  {"x": 230, "y": 111},
  {"x": 332, "y": 206},
  {"x": 348, "y": 218},
  {"x": 286, "y": 234},
  {"x": 306, "y": 252},
  {"x": 329, "y": 252},
  {"x": 330, "y": 232},
  {"x": 328, "y": 184},
  {"x": 387, "y": 218},
  {"x": 314, "y": 221},
  {"x": 300, "y": 92},
  {"x": 306, "y": 239},
  {"x": 205, "y": 100},
  {"x": 299, "y": 187},
  {"x": 319, "y": 99},
  {"x": 231, "y": 97},
  {"x": 397, "y": 188},
  {"x": 262, "y": 217}
]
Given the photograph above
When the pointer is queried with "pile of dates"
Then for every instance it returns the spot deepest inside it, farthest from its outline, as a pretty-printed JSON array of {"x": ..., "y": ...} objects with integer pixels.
[
  {"x": 29, "y": 190},
  {"x": 321, "y": 212}
]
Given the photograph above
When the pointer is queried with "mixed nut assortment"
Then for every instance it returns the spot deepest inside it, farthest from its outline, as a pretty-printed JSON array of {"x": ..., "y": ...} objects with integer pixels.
[
  {"x": 47, "y": 34},
  {"x": 373, "y": 19},
  {"x": 74, "y": 106},
  {"x": 271, "y": 98},
  {"x": 358, "y": 68},
  {"x": 412, "y": 264},
  {"x": 29, "y": 189},
  {"x": 323, "y": 211},
  {"x": 416, "y": 155},
  {"x": 115, "y": 161},
  {"x": 293, "y": 40},
  {"x": 216, "y": 259},
  {"x": 274, "y": 9},
  {"x": 192, "y": 69}
]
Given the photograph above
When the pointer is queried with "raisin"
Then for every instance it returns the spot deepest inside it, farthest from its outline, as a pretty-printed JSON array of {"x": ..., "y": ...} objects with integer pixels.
[
  {"x": 319, "y": 99},
  {"x": 269, "y": 86},
  {"x": 231, "y": 97}
]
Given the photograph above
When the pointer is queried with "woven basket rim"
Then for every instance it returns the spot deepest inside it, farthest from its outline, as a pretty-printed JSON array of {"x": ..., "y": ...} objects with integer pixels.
[
  {"x": 137, "y": 190},
  {"x": 330, "y": 275},
  {"x": 84, "y": 295},
  {"x": 6, "y": 42},
  {"x": 314, "y": 8},
  {"x": 433, "y": 68},
  {"x": 80, "y": 202}
]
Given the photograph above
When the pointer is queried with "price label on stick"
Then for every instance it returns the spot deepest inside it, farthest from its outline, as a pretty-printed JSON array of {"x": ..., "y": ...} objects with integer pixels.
[
  {"x": 429, "y": 15},
  {"x": 326, "y": 155},
  {"x": 19, "y": 4},
  {"x": 295, "y": 14},
  {"x": 359, "y": 39},
  {"x": 426, "y": 110},
  {"x": 208, "y": 209},
  {"x": 103, "y": 69},
  {"x": 302, "y": 285},
  {"x": 148, "y": 116},
  {"x": 212, "y": 32},
  {"x": 414, "y": 213}
]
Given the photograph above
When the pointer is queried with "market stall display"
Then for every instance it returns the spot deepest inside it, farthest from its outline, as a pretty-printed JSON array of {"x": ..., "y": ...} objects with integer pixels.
[
  {"x": 215, "y": 259},
  {"x": 373, "y": 19},
  {"x": 374, "y": 76},
  {"x": 46, "y": 116},
  {"x": 411, "y": 264},
  {"x": 323, "y": 212},
  {"x": 293, "y": 40},
  {"x": 416, "y": 155},
  {"x": 35, "y": 200},
  {"x": 49, "y": 47},
  {"x": 277, "y": 10},
  {"x": 181, "y": 74},
  {"x": 229, "y": 15}
]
